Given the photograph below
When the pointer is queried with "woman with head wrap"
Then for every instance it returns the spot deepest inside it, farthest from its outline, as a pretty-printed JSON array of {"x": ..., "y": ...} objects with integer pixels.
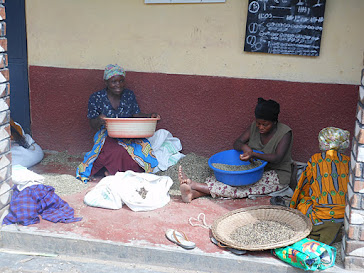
[
  {"x": 321, "y": 190},
  {"x": 111, "y": 155},
  {"x": 265, "y": 134}
]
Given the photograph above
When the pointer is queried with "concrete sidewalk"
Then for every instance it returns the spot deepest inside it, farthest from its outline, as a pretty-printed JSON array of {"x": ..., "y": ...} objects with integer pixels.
[
  {"x": 139, "y": 237},
  {"x": 15, "y": 261}
]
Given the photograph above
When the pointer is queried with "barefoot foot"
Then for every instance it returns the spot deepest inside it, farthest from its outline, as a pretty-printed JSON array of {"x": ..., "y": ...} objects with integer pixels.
[
  {"x": 183, "y": 179},
  {"x": 186, "y": 192}
]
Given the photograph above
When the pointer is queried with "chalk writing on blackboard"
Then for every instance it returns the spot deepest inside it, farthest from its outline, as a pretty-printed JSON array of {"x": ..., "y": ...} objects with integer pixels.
[{"x": 285, "y": 26}]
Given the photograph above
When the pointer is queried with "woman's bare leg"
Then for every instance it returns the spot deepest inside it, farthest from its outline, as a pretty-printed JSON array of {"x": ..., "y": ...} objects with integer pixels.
[{"x": 191, "y": 189}]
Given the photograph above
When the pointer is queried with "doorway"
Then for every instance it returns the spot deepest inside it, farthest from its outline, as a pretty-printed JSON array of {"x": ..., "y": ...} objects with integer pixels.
[{"x": 18, "y": 62}]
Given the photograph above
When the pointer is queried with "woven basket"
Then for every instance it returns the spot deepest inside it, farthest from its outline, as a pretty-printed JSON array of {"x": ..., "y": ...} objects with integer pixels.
[{"x": 226, "y": 224}]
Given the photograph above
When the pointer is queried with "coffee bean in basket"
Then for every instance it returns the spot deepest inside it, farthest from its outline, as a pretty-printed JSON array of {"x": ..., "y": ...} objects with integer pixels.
[{"x": 262, "y": 232}]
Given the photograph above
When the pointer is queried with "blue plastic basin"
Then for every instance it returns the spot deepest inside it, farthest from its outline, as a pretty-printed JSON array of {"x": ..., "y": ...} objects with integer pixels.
[{"x": 235, "y": 178}]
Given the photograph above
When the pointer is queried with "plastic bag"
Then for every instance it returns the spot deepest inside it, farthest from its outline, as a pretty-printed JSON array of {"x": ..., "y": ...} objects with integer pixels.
[
  {"x": 104, "y": 195},
  {"x": 143, "y": 191},
  {"x": 139, "y": 191},
  {"x": 307, "y": 254}
]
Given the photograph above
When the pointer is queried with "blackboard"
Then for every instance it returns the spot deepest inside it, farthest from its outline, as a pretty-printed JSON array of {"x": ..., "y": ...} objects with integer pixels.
[{"x": 285, "y": 26}]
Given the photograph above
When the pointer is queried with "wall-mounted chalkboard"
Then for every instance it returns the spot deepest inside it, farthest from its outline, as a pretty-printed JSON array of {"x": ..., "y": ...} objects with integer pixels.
[{"x": 285, "y": 26}]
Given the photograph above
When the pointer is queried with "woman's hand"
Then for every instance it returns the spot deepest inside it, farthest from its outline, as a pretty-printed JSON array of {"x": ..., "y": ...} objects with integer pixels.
[
  {"x": 155, "y": 115},
  {"x": 96, "y": 123},
  {"x": 143, "y": 115},
  {"x": 247, "y": 155}
]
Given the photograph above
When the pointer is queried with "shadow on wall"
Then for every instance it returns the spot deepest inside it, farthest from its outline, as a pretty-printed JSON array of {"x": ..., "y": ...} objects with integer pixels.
[{"x": 206, "y": 113}]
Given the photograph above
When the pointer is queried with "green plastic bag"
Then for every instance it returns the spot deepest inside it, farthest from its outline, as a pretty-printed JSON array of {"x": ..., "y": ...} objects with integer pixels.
[{"x": 307, "y": 254}]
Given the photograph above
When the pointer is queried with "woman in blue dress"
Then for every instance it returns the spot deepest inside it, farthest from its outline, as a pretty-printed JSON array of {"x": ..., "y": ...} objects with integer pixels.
[{"x": 111, "y": 155}]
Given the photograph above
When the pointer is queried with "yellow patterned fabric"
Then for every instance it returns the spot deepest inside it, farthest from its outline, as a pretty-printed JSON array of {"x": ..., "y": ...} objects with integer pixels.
[{"x": 321, "y": 190}]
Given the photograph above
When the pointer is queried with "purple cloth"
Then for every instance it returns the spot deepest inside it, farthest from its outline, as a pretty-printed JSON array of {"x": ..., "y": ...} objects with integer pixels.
[{"x": 26, "y": 205}]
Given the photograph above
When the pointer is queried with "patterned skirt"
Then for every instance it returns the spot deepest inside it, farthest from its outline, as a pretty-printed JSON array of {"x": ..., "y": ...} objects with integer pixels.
[{"x": 267, "y": 184}]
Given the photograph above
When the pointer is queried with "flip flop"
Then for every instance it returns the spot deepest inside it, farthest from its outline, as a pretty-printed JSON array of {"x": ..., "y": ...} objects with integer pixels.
[
  {"x": 278, "y": 201},
  {"x": 232, "y": 250},
  {"x": 179, "y": 239}
]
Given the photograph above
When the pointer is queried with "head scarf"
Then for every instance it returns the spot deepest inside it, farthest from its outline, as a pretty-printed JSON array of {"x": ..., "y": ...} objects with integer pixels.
[
  {"x": 333, "y": 138},
  {"x": 267, "y": 110},
  {"x": 112, "y": 70}
]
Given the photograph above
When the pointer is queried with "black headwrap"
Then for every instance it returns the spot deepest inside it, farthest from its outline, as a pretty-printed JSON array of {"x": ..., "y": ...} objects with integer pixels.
[{"x": 267, "y": 110}]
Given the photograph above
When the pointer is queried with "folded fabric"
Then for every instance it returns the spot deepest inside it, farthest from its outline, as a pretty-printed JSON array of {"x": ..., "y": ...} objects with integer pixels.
[
  {"x": 22, "y": 177},
  {"x": 139, "y": 191},
  {"x": 26, "y": 205},
  {"x": 166, "y": 149}
]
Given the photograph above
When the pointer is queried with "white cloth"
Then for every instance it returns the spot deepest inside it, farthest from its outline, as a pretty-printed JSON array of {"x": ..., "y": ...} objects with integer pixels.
[
  {"x": 26, "y": 157},
  {"x": 166, "y": 149},
  {"x": 22, "y": 177},
  {"x": 125, "y": 187}
]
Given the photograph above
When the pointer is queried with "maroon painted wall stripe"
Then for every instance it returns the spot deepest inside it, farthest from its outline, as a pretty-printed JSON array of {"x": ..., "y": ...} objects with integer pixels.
[{"x": 206, "y": 113}]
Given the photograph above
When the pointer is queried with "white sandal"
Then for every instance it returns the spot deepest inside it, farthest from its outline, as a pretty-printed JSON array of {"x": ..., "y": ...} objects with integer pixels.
[{"x": 179, "y": 239}]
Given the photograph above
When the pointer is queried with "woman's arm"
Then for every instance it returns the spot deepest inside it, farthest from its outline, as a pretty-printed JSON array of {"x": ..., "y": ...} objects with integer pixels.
[
  {"x": 97, "y": 122},
  {"x": 280, "y": 151},
  {"x": 241, "y": 143}
]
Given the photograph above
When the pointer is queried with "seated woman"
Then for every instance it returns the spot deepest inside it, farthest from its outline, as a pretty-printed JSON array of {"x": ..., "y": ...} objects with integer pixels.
[
  {"x": 111, "y": 155},
  {"x": 265, "y": 134},
  {"x": 24, "y": 150},
  {"x": 322, "y": 188}
]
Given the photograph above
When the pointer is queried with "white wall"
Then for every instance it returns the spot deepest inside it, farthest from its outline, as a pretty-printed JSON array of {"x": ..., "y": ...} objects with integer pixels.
[{"x": 201, "y": 39}]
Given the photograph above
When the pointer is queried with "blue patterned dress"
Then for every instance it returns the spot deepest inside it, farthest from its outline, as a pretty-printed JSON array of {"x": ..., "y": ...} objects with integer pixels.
[{"x": 139, "y": 149}]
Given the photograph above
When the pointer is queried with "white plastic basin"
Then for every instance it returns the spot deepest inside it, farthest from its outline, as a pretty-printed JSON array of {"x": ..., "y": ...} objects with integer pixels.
[{"x": 131, "y": 127}]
